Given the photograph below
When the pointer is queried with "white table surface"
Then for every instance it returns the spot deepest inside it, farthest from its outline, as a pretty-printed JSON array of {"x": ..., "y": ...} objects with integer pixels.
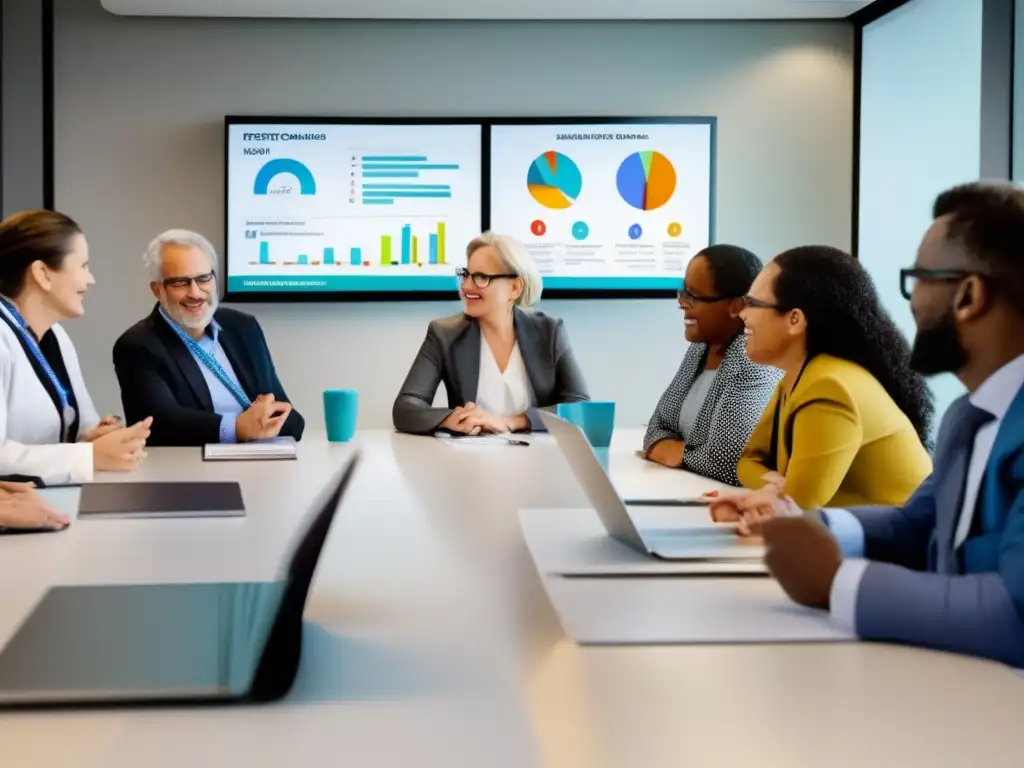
[{"x": 431, "y": 641}]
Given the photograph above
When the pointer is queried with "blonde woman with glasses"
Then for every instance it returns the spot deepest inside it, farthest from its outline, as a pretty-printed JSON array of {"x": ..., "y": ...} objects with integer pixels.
[{"x": 499, "y": 360}]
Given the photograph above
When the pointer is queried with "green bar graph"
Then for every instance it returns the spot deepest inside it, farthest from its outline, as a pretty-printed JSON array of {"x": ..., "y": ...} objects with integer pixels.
[
  {"x": 440, "y": 243},
  {"x": 385, "y": 250},
  {"x": 415, "y": 249}
]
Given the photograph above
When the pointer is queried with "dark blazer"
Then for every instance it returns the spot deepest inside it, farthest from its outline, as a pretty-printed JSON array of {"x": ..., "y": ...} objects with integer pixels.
[
  {"x": 451, "y": 354},
  {"x": 734, "y": 403},
  {"x": 160, "y": 378}
]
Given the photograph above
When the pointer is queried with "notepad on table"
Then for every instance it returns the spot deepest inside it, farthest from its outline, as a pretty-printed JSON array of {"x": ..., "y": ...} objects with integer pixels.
[
  {"x": 476, "y": 441},
  {"x": 257, "y": 450}
]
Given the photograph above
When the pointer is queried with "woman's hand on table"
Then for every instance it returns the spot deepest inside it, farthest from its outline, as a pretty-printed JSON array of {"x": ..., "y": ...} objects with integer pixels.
[{"x": 750, "y": 508}]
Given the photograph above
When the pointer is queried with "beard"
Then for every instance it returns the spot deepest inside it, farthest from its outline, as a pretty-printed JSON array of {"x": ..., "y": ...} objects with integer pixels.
[
  {"x": 187, "y": 321},
  {"x": 938, "y": 349}
]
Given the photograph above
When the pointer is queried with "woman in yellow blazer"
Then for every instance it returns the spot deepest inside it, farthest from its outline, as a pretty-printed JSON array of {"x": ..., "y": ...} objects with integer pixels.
[{"x": 848, "y": 422}]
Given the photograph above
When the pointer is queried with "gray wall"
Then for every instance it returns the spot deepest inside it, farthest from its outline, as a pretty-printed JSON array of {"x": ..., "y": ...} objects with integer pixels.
[
  {"x": 138, "y": 148},
  {"x": 21, "y": 134}
]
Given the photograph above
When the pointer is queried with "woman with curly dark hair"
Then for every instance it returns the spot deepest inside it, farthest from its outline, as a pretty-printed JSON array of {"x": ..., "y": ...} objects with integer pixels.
[{"x": 848, "y": 423}]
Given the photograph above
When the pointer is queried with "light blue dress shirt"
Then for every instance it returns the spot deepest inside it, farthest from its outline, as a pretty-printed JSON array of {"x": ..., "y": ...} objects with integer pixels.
[{"x": 224, "y": 403}]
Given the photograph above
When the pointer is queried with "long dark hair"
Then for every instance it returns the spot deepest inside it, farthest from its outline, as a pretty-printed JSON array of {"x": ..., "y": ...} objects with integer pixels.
[
  {"x": 28, "y": 237},
  {"x": 845, "y": 319}
]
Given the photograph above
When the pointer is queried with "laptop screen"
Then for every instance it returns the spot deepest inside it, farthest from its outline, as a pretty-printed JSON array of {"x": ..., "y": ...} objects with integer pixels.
[
  {"x": 154, "y": 642},
  {"x": 110, "y": 642}
]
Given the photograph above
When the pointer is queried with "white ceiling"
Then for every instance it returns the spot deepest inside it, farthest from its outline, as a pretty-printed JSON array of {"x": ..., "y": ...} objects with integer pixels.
[{"x": 494, "y": 9}]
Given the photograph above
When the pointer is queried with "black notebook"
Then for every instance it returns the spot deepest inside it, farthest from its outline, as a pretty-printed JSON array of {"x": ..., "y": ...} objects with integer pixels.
[{"x": 160, "y": 499}]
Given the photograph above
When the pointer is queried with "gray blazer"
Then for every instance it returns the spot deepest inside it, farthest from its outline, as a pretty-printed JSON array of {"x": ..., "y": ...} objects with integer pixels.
[
  {"x": 733, "y": 406},
  {"x": 451, "y": 354}
]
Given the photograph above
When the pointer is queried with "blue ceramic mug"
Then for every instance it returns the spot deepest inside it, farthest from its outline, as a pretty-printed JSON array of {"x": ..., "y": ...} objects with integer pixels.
[
  {"x": 341, "y": 411},
  {"x": 596, "y": 419}
]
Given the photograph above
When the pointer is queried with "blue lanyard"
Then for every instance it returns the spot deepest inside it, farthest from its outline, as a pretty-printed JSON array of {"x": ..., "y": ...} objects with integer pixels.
[
  {"x": 210, "y": 362},
  {"x": 67, "y": 414}
]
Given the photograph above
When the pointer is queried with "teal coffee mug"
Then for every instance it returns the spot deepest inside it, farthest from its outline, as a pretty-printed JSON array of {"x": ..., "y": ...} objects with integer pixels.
[
  {"x": 341, "y": 409},
  {"x": 596, "y": 419}
]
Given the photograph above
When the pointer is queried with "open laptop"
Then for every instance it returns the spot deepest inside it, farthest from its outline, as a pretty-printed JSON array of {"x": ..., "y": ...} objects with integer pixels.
[
  {"x": 701, "y": 544},
  {"x": 168, "y": 644}
]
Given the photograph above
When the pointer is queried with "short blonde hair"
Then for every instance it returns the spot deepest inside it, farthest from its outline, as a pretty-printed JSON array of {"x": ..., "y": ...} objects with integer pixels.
[{"x": 517, "y": 259}]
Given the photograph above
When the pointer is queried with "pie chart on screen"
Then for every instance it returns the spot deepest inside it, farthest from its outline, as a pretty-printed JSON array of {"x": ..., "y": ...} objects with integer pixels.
[
  {"x": 646, "y": 180},
  {"x": 554, "y": 180}
]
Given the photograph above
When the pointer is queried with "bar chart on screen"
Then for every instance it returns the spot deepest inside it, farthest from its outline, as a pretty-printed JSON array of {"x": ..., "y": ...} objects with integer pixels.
[
  {"x": 367, "y": 208},
  {"x": 409, "y": 246}
]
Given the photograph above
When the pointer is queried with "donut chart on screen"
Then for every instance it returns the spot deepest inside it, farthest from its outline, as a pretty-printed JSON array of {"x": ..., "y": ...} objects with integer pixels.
[
  {"x": 646, "y": 180},
  {"x": 554, "y": 180}
]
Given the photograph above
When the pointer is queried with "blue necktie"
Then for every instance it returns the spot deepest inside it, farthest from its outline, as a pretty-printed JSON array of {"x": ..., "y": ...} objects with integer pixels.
[
  {"x": 970, "y": 418},
  {"x": 966, "y": 420}
]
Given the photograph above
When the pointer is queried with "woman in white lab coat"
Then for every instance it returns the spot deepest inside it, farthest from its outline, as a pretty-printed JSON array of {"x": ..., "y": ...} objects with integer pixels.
[{"x": 49, "y": 428}]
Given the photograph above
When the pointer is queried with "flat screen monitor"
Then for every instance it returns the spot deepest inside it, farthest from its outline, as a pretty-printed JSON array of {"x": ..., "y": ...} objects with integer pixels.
[
  {"x": 335, "y": 208},
  {"x": 605, "y": 207}
]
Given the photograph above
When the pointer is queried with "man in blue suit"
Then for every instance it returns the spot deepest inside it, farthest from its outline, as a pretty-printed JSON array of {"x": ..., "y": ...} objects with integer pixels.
[{"x": 946, "y": 570}]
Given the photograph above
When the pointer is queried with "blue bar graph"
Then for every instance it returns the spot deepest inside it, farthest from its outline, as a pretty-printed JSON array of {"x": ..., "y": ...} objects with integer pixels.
[
  {"x": 303, "y": 258},
  {"x": 395, "y": 193},
  {"x": 328, "y": 255},
  {"x": 391, "y": 175},
  {"x": 394, "y": 158},
  {"x": 433, "y": 248},
  {"x": 356, "y": 257},
  {"x": 378, "y": 201},
  {"x": 412, "y": 187},
  {"x": 264, "y": 252},
  {"x": 410, "y": 167},
  {"x": 406, "y": 244}
]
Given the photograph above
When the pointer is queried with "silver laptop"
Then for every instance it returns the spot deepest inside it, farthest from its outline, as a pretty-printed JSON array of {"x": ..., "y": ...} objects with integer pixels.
[
  {"x": 702, "y": 544},
  {"x": 162, "y": 644}
]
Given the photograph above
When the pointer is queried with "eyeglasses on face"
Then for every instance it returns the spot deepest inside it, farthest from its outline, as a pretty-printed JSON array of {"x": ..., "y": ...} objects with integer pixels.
[
  {"x": 754, "y": 303},
  {"x": 482, "y": 279},
  {"x": 186, "y": 282},
  {"x": 910, "y": 277},
  {"x": 685, "y": 297}
]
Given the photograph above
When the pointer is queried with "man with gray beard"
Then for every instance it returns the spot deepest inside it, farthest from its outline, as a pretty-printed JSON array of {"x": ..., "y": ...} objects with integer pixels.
[{"x": 203, "y": 373}]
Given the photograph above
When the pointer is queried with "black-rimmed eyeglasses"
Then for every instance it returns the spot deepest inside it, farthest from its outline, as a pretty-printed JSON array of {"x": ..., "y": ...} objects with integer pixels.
[
  {"x": 910, "y": 277},
  {"x": 482, "y": 279},
  {"x": 754, "y": 303},
  {"x": 186, "y": 282},
  {"x": 685, "y": 297}
]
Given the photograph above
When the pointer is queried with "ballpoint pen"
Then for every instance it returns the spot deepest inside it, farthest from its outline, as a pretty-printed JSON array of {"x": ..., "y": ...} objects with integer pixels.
[{"x": 513, "y": 441}]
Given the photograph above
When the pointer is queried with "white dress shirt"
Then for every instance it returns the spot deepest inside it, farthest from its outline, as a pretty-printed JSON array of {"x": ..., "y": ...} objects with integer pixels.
[
  {"x": 505, "y": 393},
  {"x": 30, "y": 425},
  {"x": 995, "y": 395}
]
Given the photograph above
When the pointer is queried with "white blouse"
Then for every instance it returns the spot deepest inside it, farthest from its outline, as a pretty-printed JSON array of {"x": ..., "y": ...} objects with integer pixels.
[
  {"x": 503, "y": 394},
  {"x": 29, "y": 423}
]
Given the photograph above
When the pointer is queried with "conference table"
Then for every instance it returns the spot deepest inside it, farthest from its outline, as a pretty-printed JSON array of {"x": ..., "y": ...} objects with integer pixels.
[{"x": 430, "y": 641}]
